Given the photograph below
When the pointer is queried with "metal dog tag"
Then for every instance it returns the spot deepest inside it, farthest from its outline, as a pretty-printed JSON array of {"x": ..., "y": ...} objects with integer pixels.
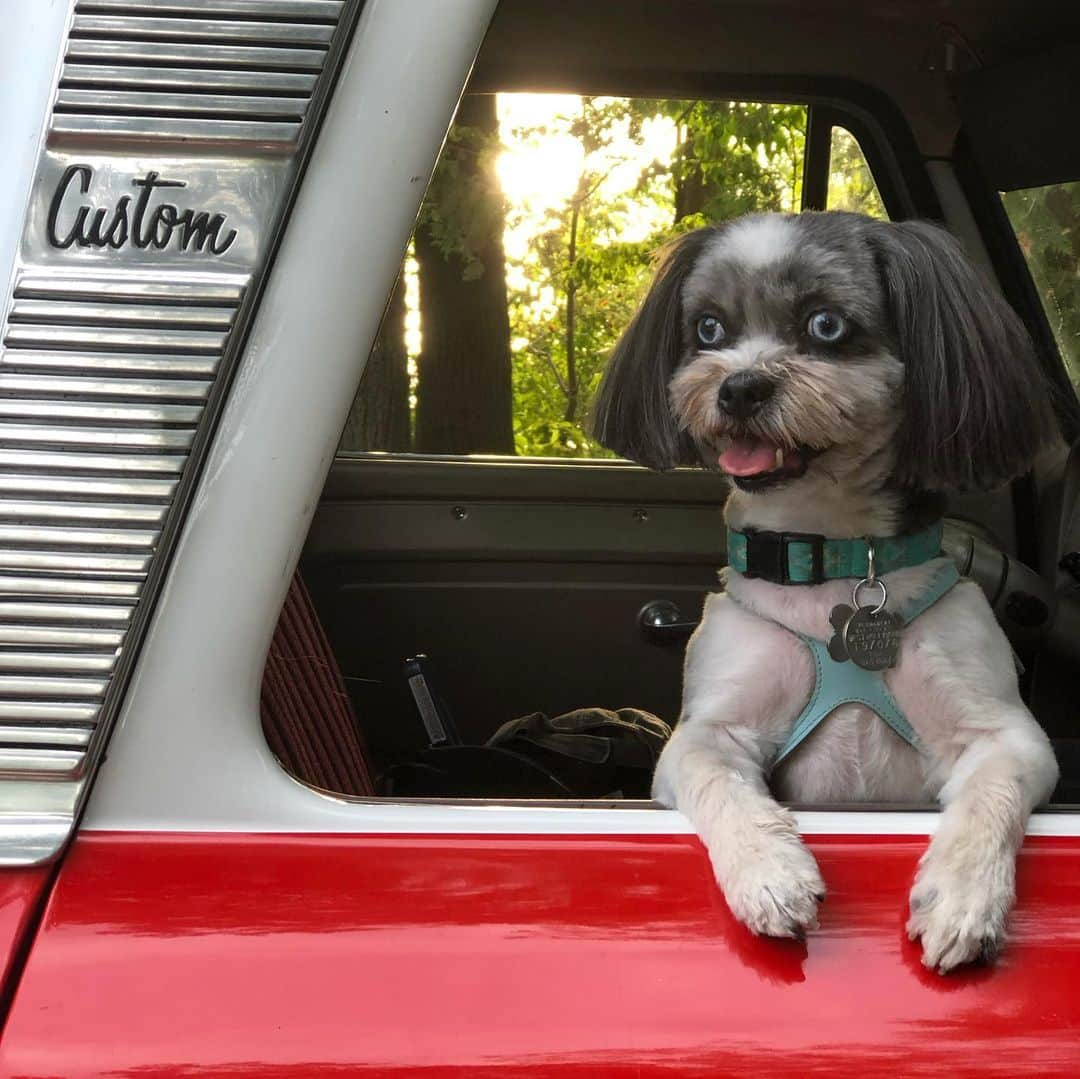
[
  {"x": 866, "y": 634},
  {"x": 871, "y": 635},
  {"x": 872, "y": 640}
]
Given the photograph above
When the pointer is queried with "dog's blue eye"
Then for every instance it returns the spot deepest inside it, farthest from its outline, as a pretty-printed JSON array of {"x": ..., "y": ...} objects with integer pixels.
[
  {"x": 709, "y": 330},
  {"x": 827, "y": 326}
]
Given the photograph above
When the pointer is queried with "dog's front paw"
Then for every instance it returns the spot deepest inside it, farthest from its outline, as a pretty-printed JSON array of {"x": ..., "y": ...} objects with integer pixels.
[
  {"x": 774, "y": 886},
  {"x": 959, "y": 906}
]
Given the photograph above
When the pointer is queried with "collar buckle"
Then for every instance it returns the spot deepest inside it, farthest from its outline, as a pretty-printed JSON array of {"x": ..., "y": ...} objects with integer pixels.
[{"x": 767, "y": 556}]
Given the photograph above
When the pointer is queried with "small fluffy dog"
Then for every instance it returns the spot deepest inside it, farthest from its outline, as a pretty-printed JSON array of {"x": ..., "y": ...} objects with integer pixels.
[{"x": 844, "y": 372}]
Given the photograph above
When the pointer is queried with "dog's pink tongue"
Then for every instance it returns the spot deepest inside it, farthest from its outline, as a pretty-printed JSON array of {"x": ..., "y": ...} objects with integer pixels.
[{"x": 748, "y": 457}]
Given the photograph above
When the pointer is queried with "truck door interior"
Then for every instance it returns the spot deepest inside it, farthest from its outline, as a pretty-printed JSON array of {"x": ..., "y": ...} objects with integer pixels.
[{"x": 533, "y": 582}]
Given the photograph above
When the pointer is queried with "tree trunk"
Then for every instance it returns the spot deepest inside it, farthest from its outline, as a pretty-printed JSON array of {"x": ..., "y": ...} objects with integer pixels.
[
  {"x": 692, "y": 192},
  {"x": 464, "y": 399},
  {"x": 379, "y": 417},
  {"x": 570, "y": 415}
]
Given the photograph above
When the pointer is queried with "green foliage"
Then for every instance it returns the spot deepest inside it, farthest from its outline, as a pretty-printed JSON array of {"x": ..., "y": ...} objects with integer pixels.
[
  {"x": 1047, "y": 224},
  {"x": 464, "y": 204},
  {"x": 578, "y": 263},
  {"x": 735, "y": 157},
  {"x": 575, "y": 287},
  {"x": 851, "y": 186}
]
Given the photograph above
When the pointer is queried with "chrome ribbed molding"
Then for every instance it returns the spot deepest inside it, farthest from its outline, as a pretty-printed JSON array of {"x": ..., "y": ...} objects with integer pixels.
[
  {"x": 217, "y": 71},
  {"x": 178, "y": 130}
]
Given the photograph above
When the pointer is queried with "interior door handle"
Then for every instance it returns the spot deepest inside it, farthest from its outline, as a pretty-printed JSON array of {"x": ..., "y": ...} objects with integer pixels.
[{"x": 662, "y": 623}]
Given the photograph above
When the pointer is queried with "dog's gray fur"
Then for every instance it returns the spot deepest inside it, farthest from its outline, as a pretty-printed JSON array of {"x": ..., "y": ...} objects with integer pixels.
[
  {"x": 975, "y": 408},
  {"x": 935, "y": 387}
]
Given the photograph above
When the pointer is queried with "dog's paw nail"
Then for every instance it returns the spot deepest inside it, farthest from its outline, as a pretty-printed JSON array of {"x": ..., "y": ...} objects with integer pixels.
[
  {"x": 988, "y": 951},
  {"x": 776, "y": 889}
]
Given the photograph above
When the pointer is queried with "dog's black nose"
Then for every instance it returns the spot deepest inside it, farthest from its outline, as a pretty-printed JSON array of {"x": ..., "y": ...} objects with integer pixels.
[{"x": 744, "y": 392}]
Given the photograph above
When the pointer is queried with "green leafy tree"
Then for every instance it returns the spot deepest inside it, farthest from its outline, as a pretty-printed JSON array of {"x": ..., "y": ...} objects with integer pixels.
[
  {"x": 463, "y": 385},
  {"x": 851, "y": 184},
  {"x": 581, "y": 279},
  {"x": 522, "y": 340},
  {"x": 735, "y": 157},
  {"x": 1047, "y": 223}
]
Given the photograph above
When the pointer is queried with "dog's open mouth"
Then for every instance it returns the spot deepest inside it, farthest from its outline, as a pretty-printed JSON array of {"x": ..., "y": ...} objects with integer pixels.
[{"x": 753, "y": 462}]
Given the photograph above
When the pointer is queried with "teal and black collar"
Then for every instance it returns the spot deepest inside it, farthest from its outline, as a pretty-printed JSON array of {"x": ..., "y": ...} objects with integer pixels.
[{"x": 807, "y": 558}]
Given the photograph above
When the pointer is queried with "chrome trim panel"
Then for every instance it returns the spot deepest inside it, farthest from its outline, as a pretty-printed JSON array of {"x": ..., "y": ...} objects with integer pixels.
[
  {"x": 63, "y": 411},
  {"x": 175, "y": 71},
  {"x": 165, "y": 168},
  {"x": 146, "y": 27},
  {"x": 79, "y": 587},
  {"x": 48, "y": 760},
  {"x": 47, "y": 736},
  {"x": 195, "y": 696},
  {"x": 113, "y": 338},
  {"x": 157, "y": 103},
  {"x": 55, "y": 688},
  {"x": 33, "y": 836},
  {"x": 326, "y": 10},
  {"x": 74, "y": 466},
  {"x": 60, "y": 637},
  {"x": 205, "y": 54},
  {"x": 25, "y": 711},
  {"x": 92, "y": 437},
  {"x": 179, "y": 128},
  {"x": 164, "y": 79},
  {"x": 46, "y": 486},
  {"x": 136, "y": 315},
  {"x": 44, "y": 385},
  {"x": 105, "y": 363},
  {"x": 80, "y": 513},
  {"x": 52, "y": 662},
  {"x": 129, "y": 288}
]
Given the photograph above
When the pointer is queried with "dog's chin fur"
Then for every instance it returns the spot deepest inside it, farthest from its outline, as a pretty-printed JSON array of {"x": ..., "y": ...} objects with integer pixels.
[
  {"x": 935, "y": 387},
  {"x": 816, "y": 502}
]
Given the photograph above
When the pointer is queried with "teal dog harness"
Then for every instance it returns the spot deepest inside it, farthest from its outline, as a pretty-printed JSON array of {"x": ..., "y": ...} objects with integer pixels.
[
  {"x": 837, "y": 683},
  {"x": 801, "y": 558}
]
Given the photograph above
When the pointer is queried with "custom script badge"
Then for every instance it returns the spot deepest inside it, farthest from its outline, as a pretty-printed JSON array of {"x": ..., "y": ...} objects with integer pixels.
[{"x": 143, "y": 219}]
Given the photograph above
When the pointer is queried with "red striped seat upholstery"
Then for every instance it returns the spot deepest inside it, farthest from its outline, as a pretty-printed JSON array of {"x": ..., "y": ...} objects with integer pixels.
[{"x": 307, "y": 716}]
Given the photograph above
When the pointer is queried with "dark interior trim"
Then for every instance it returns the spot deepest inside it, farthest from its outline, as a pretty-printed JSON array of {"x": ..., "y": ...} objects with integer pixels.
[
  {"x": 816, "y": 158},
  {"x": 1016, "y": 282},
  {"x": 1017, "y": 116},
  {"x": 396, "y": 476},
  {"x": 1019, "y": 289}
]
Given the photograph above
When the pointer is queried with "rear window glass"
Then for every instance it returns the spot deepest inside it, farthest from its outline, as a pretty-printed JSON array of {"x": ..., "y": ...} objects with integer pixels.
[
  {"x": 1047, "y": 224},
  {"x": 533, "y": 245},
  {"x": 851, "y": 184}
]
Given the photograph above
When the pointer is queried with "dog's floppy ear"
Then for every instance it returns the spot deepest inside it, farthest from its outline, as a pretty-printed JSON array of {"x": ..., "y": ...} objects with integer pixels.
[
  {"x": 976, "y": 403},
  {"x": 631, "y": 413}
]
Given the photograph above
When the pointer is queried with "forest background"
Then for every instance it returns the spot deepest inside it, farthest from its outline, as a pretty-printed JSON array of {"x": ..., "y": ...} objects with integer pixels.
[{"x": 535, "y": 240}]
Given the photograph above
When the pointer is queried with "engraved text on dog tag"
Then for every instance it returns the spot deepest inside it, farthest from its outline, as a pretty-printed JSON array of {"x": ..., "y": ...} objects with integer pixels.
[{"x": 872, "y": 639}]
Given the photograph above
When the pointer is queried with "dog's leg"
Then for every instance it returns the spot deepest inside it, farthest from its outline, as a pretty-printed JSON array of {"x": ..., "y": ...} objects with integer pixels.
[
  {"x": 713, "y": 775},
  {"x": 965, "y": 885}
]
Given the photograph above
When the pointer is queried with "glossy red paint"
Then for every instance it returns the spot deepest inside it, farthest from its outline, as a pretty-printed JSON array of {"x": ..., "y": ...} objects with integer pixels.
[
  {"x": 21, "y": 894},
  {"x": 170, "y": 955}
]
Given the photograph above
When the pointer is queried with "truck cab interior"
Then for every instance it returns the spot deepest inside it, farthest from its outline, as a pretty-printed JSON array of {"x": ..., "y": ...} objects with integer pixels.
[{"x": 467, "y": 518}]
